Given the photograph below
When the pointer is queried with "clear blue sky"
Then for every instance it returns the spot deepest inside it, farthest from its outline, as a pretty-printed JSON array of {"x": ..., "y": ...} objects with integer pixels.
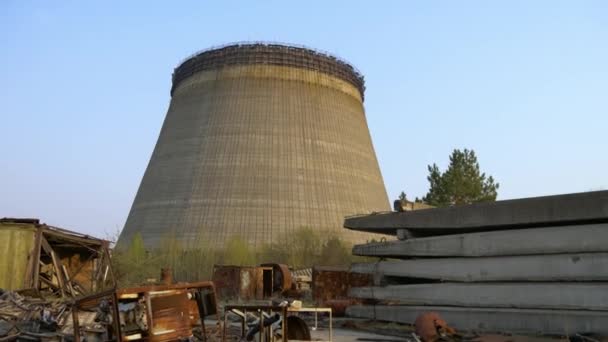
[{"x": 85, "y": 88}]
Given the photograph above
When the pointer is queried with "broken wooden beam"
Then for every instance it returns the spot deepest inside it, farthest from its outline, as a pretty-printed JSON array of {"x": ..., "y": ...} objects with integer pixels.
[
  {"x": 561, "y": 322},
  {"x": 568, "y": 209},
  {"x": 557, "y": 267},
  {"x": 56, "y": 264},
  {"x": 571, "y": 296},
  {"x": 553, "y": 240}
]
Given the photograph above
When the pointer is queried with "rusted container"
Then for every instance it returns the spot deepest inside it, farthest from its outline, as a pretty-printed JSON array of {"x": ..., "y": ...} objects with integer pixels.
[
  {"x": 282, "y": 278},
  {"x": 243, "y": 282},
  {"x": 330, "y": 283}
]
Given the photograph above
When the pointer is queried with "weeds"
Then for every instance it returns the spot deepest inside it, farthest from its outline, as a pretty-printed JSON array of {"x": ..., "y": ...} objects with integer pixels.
[{"x": 300, "y": 249}]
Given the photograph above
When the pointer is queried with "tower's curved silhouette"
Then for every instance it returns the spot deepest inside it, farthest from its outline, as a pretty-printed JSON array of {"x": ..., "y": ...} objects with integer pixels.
[{"x": 259, "y": 140}]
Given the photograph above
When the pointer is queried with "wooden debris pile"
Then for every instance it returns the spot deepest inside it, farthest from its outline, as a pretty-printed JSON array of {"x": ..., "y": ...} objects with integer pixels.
[
  {"x": 51, "y": 261},
  {"x": 29, "y": 318},
  {"x": 44, "y": 270}
]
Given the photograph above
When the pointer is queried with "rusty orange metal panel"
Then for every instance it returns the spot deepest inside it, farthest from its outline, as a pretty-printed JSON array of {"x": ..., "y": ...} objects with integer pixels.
[
  {"x": 248, "y": 283},
  {"x": 170, "y": 316},
  {"x": 330, "y": 283},
  {"x": 227, "y": 281},
  {"x": 243, "y": 282},
  {"x": 173, "y": 310}
]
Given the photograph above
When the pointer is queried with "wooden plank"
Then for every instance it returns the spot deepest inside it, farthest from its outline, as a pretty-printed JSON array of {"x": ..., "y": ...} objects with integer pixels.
[
  {"x": 17, "y": 241},
  {"x": 557, "y": 267},
  {"x": 49, "y": 283},
  {"x": 560, "y": 322},
  {"x": 568, "y": 209},
  {"x": 37, "y": 247},
  {"x": 581, "y": 296},
  {"x": 552, "y": 240},
  {"x": 33, "y": 259},
  {"x": 56, "y": 264}
]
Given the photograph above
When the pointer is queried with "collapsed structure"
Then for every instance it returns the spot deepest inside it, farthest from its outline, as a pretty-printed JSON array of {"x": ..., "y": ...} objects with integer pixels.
[
  {"x": 259, "y": 141},
  {"x": 52, "y": 261},
  {"x": 43, "y": 271},
  {"x": 528, "y": 265},
  {"x": 58, "y": 285}
]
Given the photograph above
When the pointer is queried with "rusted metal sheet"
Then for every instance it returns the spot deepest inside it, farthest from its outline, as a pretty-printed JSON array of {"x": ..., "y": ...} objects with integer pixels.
[
  {"x": 170, "y": 315},
  {"x": 227, "y": 280},
  {"x": 330, "y": 283},
  {"x": 172, "y": 311},
  {"x": 247, "y": 283},
  {"x": 243, "y": 282}
]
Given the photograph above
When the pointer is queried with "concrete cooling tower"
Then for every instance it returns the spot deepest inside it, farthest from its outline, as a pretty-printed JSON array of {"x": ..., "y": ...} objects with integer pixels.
[{"x": 259, "y": 141}]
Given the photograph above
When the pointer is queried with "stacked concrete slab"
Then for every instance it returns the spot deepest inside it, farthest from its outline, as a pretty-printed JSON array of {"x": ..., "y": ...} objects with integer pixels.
[{"x": 534, "y": 265}]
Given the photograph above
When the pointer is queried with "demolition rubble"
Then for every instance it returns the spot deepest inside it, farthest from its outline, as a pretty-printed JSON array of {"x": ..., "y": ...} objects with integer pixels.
[
  {"x": 534, "y": 266},
  {"x": 43, "y": 270}
]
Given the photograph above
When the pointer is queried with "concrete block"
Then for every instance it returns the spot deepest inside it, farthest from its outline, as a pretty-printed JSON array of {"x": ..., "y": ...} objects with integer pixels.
[
  {"x": 568, "y": 209},
  {"x": 553, "y": 240},
  {"x": 581, "y": 296},
  {"x": 561, "y": 322},
  {"x": 557, "y": 267}
]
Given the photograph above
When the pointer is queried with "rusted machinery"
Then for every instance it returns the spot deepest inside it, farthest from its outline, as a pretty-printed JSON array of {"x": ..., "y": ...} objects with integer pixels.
[
  {"x": 251, "y": 282},
  {"x": 273, "y": 322},
  {"x": 151, "y": 313}
]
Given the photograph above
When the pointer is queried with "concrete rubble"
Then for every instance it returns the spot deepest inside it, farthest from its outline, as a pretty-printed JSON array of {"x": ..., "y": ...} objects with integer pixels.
[{"x": 533, "y": 265}]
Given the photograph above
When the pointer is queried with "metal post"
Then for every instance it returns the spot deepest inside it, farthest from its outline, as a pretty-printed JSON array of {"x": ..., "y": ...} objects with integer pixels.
[{"x": 331, "y": 330}]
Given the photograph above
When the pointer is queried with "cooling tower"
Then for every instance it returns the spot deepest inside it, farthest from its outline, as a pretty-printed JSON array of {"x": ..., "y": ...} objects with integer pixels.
[{"x": 259, "y": 141}]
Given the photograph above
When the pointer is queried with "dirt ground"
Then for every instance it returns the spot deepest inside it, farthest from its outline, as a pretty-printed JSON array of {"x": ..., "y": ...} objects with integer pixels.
[{"x": 349, "y": 335}]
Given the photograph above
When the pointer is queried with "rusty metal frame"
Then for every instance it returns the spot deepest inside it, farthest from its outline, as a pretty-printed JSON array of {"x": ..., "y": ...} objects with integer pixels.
[
  {"x": 184, "y": 286},
  {"x": 77, "y": 304},
  {"x": 261, "y": 309}
]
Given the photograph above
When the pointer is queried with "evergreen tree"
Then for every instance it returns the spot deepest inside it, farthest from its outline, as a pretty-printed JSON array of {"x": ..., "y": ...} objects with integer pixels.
[
  {"x": 402, "y": 196},
  {"x": 461, "y": 183}
]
